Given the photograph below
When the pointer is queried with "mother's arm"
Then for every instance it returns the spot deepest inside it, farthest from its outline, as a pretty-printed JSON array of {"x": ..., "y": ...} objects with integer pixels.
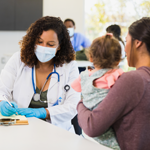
[{"x": 122, "y": 98}]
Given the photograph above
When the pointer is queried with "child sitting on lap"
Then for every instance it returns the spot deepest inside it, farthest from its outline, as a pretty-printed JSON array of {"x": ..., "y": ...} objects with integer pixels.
[{"x": 105, "y": 53}]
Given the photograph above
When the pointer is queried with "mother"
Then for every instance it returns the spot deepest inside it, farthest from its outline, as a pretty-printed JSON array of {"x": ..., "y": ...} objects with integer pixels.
[{"x": 127, "y": 106}]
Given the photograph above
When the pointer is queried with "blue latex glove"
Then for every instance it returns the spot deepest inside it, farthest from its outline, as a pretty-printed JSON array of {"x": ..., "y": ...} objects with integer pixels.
[
  {"x": 32, "y": 112},
  {"x": 6, "y": 109}
]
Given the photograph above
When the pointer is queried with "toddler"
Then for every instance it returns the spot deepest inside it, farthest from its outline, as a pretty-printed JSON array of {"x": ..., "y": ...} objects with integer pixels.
[{"x": 105, "y": 53}]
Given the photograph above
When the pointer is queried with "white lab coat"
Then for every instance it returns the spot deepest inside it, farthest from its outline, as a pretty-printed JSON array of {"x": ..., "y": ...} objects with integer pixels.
[{"x": 16, "y": 82}]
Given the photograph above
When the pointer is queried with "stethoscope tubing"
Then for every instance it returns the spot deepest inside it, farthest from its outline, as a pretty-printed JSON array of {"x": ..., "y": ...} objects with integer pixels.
[
  {"x": 33, "y": 80},
  {"x": 66, "y": 87},
  {"x": 46, "y": 78}
]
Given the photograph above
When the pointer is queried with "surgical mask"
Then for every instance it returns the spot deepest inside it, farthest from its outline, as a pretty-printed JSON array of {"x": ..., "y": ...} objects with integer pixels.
[
  {"x": 71, "y": 31},
  {"x": 44, "y": 54}
]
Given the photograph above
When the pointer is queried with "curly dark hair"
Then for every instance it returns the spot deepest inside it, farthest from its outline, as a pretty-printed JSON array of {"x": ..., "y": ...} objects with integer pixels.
[
  {"x": 105, "y": 52},
  {"x": 64, "y": 55}
]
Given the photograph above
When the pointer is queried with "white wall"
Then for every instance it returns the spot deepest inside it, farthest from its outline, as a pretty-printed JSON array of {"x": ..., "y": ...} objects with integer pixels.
[
  {"x": 9, "y": 44},
  {"x": 60, "y": 8},
  {"x": 73, "y": 9}
]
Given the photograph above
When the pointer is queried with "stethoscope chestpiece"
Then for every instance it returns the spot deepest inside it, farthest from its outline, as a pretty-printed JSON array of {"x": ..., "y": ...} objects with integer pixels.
[
  {"x": 36, "y": 97},
  {"x": 67, "y": 87}
]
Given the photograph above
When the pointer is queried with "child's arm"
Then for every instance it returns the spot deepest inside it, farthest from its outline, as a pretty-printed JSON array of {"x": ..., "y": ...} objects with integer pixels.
[{"x": 76, "y": 84}]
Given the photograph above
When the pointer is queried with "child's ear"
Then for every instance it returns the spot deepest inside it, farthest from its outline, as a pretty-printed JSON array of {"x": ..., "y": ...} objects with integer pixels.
[
  {"x": 117, "y": 63},
  {"x": 90, "y": 58}
]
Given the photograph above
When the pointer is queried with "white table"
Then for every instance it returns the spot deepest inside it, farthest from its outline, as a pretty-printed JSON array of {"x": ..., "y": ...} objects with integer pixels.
[{"x": 40, "y": 135}]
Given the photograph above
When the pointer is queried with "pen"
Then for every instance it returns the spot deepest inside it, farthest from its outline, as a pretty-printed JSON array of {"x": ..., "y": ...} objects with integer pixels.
[{"x": 8, "y": 101}]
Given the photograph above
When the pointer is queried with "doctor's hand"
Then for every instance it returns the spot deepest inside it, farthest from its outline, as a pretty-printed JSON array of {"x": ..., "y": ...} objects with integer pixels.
[
  {"x": 32, "y": 112},
  {"x": 6, "y": 109}
]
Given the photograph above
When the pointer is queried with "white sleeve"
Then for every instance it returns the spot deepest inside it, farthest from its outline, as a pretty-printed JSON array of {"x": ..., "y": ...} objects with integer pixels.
[
  {"x": 65, "y": 112},
  {"x": 8, "y": 75}
]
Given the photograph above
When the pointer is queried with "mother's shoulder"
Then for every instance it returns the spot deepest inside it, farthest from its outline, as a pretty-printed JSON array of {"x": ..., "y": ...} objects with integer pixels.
[
  {"x": 130, "y": 76},
  {"x": 133, "y": 76}
]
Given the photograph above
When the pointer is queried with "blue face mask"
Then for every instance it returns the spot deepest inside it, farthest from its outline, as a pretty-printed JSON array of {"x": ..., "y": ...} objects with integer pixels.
[{"x": 44, "y": 54}]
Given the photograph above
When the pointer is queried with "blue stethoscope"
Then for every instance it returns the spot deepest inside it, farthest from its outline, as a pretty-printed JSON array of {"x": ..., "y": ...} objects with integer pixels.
[{"x": 36, "y": 96}]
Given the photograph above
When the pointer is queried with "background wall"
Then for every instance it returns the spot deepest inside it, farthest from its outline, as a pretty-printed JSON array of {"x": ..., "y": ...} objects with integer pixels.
[
  {"x": 9, "y": 44},
  {"x": 66, "y": 9},
  {"x": 60, "y": 8}
]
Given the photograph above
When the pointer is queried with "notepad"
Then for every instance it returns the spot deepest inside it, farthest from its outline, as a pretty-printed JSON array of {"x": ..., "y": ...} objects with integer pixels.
[{"x": 19, "y": 120}]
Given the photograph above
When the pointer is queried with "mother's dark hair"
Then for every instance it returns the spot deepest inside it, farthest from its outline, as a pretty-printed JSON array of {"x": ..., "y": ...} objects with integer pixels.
[
  {"x": 140, "y": 30},
  {"x": 66, "y": 52}
]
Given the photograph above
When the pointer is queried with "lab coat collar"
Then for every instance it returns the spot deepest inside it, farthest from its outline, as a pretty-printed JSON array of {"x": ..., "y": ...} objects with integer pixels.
[
  {"x": 59, "y": 70},
  {"x": 54, "y": 77}
]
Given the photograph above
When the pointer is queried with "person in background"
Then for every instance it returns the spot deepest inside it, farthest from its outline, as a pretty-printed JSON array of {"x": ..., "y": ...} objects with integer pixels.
[
  {"x": 126, "y": 107},
  {"x": 77, "y": 39},
  {"x": 105, "y": 53},
  {"x": 116, "y": 31},
  {"x": 37, "y": 79}
]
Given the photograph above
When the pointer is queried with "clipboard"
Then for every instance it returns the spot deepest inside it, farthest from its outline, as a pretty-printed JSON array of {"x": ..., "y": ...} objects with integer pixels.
[{"x": 13, "y": 120}]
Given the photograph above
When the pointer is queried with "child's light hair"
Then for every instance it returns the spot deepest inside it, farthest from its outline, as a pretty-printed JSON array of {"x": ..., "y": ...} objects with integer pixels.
[{"x": 105, "y": 52}]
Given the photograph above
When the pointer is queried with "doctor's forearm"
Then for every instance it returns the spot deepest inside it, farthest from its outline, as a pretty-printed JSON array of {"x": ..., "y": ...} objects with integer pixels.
[{"x": 47, "y": 114}]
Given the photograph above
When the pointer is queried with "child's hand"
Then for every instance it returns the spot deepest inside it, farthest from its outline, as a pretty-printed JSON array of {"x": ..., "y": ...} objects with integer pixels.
[
  {"x": 90, "y": 68},
  {"x": 110, "y": 34}
]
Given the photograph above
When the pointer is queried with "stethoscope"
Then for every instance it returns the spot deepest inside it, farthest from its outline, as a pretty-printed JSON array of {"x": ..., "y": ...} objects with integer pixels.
[{"x": 36, "y": 96}]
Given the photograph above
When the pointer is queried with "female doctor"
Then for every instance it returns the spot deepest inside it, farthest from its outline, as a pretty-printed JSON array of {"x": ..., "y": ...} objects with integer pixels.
[{"x": 37, "y": 79}]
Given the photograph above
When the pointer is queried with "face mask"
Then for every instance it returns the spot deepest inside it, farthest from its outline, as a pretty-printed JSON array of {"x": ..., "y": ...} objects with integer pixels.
[
  {"x": 44, "y": 54},
  {"x": 71, "y": 31}
]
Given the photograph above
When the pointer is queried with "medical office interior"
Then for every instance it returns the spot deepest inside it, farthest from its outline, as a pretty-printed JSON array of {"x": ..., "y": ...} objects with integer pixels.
[
  {"x": 15, "y": 20},
  {"x": 91, "y": 18}
]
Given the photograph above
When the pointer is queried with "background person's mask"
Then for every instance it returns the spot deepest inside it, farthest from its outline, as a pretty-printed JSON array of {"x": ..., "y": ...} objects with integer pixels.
[
  {"x": 44, "y": 54},
  {"x": 71, "y": 31}
]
